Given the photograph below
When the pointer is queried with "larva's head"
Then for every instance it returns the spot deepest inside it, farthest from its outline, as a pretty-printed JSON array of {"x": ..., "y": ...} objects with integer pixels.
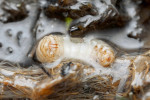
[
  {"x": 50, "y": 48},
  {"x": 103, "y": 53}
]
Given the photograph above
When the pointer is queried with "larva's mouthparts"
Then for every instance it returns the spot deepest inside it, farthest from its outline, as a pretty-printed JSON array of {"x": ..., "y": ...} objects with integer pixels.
[{"x": 52, "y": 47}]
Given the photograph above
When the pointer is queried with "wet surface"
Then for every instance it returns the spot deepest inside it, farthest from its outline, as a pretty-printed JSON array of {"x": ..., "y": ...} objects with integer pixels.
[
  {"x": 17, "y": 38},
  {"x": 123, "y": 25},
  {"x": 132, "y": 37}
]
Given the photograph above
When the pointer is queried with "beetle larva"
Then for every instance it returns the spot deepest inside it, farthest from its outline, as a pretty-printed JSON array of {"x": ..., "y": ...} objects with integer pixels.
[{"x": 50, "y": 48}]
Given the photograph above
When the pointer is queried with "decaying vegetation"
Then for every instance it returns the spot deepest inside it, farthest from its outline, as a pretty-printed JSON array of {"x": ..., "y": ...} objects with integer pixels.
[
  {"x": 24, "y": 22},
  {"x": 73, "y": 80}
]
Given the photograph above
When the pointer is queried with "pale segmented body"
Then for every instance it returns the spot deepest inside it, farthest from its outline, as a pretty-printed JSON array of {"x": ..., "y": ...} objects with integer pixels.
[
  {"x": 103, "y": 53},
  {"x": 51, "y": 48}
]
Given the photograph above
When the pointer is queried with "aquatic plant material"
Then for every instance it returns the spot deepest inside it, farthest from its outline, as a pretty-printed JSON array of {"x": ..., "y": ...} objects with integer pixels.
[
  {"x": 73, "y": 9},
  {"x": 108, "y": 17},
  {"x": 39, "y": 59},
  {"x": 76, "y": 80},
  {"x": 11, "y": 11},
  {"x": 71, "y": 80},
  {"x": 88, "y": 15},
  {"x": 68, "y": 22}
]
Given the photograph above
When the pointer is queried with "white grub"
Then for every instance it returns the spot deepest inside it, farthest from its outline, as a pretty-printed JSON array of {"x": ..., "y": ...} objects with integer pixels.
[{"x": 51, "y": 48}]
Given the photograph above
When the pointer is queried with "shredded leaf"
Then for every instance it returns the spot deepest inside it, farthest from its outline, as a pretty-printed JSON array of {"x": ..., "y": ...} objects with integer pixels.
[{"x": 68, "y": 21}]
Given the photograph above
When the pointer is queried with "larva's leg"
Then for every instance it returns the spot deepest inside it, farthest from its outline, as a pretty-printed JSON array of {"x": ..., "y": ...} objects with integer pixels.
[
  {"x": 43, "y": 68},
  {"x": 34, "y": 60}
]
